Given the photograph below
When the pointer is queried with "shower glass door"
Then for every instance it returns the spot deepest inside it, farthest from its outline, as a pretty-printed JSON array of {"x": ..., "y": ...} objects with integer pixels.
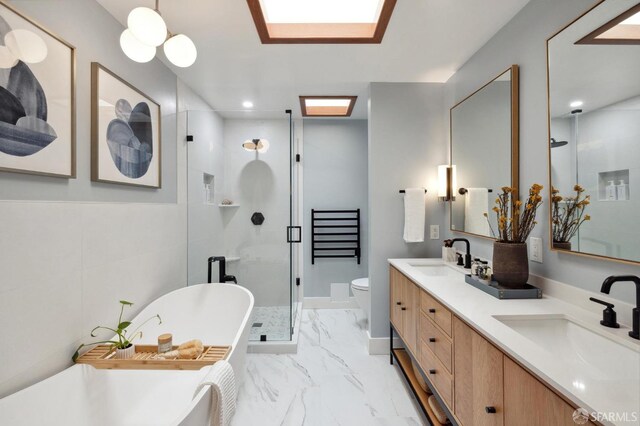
[{"x": 240, "y": 206}]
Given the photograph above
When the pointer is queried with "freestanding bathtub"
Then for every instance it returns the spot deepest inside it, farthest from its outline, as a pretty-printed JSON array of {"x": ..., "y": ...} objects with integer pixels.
[{"x": 217, "y": 314}]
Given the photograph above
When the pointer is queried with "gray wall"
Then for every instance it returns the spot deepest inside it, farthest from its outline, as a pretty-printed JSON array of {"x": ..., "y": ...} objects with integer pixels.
[
  {"x": 335, "y": 177},
  {"x": 523, "y": 41},
  {"x": 95, "y": 34},
  {"x": 66, "y": 262},
  {"x": 407, "y": 142}
]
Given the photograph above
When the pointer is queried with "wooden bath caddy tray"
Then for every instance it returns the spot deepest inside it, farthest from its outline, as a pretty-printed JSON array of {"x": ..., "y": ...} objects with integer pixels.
[{"x": 145, "y": 358}]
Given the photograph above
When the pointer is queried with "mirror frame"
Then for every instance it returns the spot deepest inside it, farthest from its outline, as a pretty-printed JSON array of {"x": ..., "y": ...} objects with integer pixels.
[
  {"x": 515, "y": 141},
  {"x": 549, "y": 193}
]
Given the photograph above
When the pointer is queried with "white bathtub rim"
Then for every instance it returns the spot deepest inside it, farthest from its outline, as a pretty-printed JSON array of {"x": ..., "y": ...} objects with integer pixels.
[{"x": 205, "y": 391}]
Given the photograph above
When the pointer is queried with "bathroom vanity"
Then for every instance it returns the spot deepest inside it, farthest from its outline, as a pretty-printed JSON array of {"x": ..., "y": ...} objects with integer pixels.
[{"x": 508, "y": 362}]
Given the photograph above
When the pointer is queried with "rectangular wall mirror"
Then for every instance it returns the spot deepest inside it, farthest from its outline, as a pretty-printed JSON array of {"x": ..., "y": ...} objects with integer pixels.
[
  {"x": 594, "y": 136},
  {"x": 484, "y": 151}
]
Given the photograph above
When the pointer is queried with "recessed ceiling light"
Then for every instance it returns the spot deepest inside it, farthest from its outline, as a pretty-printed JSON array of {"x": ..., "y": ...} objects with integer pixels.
[
  {"x": 327, "y": 106},
  {"x": 247, "y": 104},
  {"x": 576, "y": 104},
  {"x": 624, "y": 29},
  {"x": 321, "y": 21}
]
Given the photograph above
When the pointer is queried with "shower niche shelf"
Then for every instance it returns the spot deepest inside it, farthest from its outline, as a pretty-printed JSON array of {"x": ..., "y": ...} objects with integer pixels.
[
  {"x": 618, "y": 177},
  {"x": 207, "y": 188},
  {"x": 228, "y": 206}
]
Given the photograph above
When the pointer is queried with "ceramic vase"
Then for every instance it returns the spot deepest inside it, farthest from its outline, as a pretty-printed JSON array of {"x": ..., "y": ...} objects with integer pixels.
[{"x": 510, "y": 264}]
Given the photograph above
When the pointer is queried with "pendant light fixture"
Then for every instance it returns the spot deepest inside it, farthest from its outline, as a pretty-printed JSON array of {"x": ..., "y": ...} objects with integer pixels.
[{"x": 147, "y": 30}]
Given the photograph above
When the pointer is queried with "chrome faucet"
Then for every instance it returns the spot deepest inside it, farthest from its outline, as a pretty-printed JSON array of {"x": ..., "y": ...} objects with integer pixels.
[
  {"x": 222, "y": 270},
  {"x": 606, "y": 288},
  {"x": 467, "y": 257}
]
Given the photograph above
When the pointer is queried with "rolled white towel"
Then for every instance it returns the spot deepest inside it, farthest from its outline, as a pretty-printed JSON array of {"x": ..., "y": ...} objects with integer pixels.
[{"x": 223, "y": 392}]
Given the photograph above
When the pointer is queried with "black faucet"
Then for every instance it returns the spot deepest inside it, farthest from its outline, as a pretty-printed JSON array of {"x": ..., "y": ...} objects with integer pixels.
[
  {"x": 467, "y": 257},
  {"x": 606, "y": 288},
  {"x": 222, "y": 270}
]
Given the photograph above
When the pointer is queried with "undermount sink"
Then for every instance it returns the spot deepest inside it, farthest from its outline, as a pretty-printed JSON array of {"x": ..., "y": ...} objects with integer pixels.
[
  {"x": 583, "y": 350},
  {"x": 432, "y": 270}
]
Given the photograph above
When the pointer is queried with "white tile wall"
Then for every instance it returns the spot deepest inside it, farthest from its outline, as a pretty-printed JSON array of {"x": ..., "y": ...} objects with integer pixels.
[{"x": 63, "y": 268}]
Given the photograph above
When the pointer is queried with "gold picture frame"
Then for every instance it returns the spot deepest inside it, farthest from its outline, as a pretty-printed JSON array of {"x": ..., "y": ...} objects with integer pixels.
[
  {"x": 38, "y": 136},
  {"x": 126, "y": 140}
]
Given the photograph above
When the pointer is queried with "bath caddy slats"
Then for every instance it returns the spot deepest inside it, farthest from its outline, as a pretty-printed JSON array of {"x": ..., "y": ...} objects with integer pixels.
[
  {"x": 335, "y": 234},
  {"x": 146, "y": 358}
]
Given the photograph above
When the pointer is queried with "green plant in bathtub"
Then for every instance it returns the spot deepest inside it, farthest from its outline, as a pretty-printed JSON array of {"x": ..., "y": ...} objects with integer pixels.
[{"x": 121, "y": 340}]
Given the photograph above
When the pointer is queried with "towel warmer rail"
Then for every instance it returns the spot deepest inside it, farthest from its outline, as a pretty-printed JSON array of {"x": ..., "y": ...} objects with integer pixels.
[{"x": 335, "y": 234}]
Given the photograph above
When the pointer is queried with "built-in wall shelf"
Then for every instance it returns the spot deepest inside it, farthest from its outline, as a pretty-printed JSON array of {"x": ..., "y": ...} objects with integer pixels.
[
  {"x": 207, "y": 188},
  {"x": 620, "y": 191},
  {"x": 228, "y": 206}
]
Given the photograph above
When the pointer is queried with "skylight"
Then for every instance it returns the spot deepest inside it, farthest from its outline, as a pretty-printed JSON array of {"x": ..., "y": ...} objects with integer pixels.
[
  {"x": 321, "y": 21},
  {"x": 321, "y": 12},
  {"x": 625, "y": 29},
  {"x": 327, "y": 106}
]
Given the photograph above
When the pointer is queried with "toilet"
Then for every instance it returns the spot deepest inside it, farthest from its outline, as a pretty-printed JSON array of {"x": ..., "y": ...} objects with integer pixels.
[{"x": 360, "y": 289}]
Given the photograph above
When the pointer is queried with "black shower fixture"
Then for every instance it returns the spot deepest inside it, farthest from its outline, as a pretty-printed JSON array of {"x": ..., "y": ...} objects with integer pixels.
[{"x": 556, "y": 144}]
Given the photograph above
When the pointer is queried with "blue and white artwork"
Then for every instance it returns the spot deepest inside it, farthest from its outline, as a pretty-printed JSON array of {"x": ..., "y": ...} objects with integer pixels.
[
  {"x": 36, "y": 98},
  {"x": 130, "y": 138},
  {"x": 126, "y": 136}
]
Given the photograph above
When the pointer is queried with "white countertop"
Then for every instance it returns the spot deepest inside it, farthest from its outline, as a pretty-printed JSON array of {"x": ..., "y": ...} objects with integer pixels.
[{"x": 477, "y": 308}]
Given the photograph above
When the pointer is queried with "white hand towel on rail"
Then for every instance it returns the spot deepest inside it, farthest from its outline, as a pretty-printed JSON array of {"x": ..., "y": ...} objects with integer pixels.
[
  {"x": 476, "y": 204},
  {"x": 414, "y": 215},
  {"x": 223, "y": 392}
]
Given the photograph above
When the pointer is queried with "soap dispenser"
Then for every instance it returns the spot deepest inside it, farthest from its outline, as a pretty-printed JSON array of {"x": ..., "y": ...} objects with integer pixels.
[
  {"x": 611, "y": 191},
  {"x": 621, "y": 190}
]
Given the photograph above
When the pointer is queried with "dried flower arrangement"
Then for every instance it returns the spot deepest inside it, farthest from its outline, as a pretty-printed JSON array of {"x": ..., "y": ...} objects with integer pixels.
[
  {"x": 567, "y": 218},
  {"x": 515, "y": 228}
]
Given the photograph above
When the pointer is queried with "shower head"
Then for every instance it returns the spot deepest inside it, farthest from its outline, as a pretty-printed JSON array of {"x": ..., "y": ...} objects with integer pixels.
[
  {"x": 557, "y": 144},
  {"x": 260, "y": 145}
]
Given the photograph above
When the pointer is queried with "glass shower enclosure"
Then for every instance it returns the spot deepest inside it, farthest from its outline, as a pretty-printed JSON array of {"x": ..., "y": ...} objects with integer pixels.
[{"x": 241, "y": 174}]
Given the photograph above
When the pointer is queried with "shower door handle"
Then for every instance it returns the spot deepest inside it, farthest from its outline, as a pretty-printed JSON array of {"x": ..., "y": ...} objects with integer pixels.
[{"x": 290, "y": 238}]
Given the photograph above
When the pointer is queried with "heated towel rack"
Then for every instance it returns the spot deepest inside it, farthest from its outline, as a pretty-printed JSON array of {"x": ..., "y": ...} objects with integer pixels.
[{"x": 335, "y": 234}]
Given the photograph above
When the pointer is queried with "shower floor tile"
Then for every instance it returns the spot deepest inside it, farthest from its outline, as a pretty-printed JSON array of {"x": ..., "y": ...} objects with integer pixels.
[{"x": 272, "y": 321}]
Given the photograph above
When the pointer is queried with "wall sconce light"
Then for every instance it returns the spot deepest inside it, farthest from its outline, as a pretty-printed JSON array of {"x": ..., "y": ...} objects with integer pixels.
[{"x": 446, "y": 182}]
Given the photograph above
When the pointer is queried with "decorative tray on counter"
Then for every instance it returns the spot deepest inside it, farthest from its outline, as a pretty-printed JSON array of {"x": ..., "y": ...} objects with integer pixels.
[
  {"x": 500, "y": 292},
  {"x": 146, "y": 358}
]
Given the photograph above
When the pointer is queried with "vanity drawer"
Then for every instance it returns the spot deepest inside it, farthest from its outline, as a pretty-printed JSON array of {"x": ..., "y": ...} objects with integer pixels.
[
  {"x": 438, "y": 313},
  {"x": 437, "y": 374},
  {"x": 437, "y": 341}
]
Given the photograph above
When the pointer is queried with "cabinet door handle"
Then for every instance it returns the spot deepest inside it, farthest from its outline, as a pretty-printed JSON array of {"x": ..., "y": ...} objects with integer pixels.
[
  {"x": 432, "y": 310},
  {"x": 404, "y": 309},
  {"x": 398, "y": 303},
  {"x": 490, "y": 410},
  {"x": 432, "y": 371},
  {"x": 432, "y": 339}
]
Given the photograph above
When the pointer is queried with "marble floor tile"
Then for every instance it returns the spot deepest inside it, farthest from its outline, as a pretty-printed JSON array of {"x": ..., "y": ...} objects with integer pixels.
[
  {"x": 272, "y": 321},
  {"x": 332, "y": 380}
]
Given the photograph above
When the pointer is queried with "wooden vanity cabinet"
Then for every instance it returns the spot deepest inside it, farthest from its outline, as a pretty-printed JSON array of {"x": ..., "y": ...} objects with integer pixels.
[
  {"x": 478, "y": 378},
  {"x": 404, "y": 308},
  {"x": 491, "y": 389},
  {"x": 480, "y": 385},
  {"x": 528, "y": 402}
]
